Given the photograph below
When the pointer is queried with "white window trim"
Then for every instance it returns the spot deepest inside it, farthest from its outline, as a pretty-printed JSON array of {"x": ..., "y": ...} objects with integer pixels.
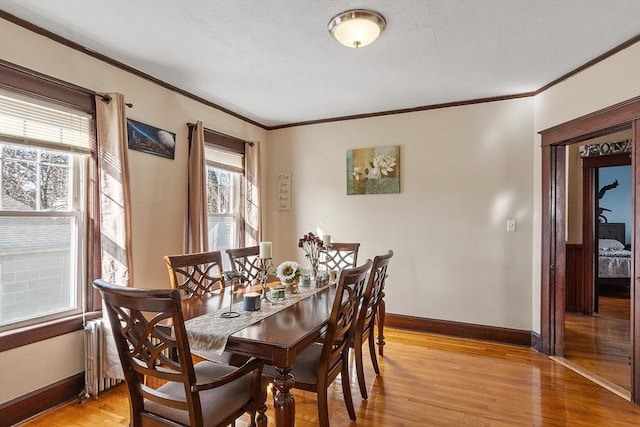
[
  {"x": 79, "y": 212},
  {"x": 236, "y": 202}
]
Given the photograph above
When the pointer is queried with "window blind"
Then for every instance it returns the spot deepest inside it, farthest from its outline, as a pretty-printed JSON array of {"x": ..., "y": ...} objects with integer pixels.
[
  {"x": 224, "y": 159},
  {"x": 28, "y": 123}
]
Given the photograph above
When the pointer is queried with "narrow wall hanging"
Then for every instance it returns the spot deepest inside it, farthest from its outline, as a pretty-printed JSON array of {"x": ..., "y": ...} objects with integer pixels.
[
  {"x": 284, "y": 191},
  {"x": 150, "y": 139}
]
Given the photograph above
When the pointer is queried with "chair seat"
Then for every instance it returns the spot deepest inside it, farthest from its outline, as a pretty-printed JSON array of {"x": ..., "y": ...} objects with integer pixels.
[
  {"x": 217, "y": 404},
  {"x": 305, "y": 368}
]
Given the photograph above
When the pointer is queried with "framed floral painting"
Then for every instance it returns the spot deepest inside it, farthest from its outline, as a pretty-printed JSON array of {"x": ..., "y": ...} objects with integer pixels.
[{"x": 373, "y": 170}]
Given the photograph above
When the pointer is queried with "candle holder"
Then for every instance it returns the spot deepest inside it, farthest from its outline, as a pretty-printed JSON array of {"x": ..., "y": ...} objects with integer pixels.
[
  {"x": 325, "y": 256},
  {"x": 265, "y": 263},
  {"x": 230, "y": 276},
  {"x": 325, "y": 263}
]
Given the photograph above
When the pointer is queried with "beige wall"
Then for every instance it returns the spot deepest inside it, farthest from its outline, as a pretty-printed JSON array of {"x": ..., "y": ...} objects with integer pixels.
[
  {"x": 25, "y": 369},
  {"x": 465, "y": 171},
  {"x": 574, "y": 195}
]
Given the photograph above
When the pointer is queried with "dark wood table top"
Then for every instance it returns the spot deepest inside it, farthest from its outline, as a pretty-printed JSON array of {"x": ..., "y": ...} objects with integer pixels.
[{"x": 277, "y": 338}]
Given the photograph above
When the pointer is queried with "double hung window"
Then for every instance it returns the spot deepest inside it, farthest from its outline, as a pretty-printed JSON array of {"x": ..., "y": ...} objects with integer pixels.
[
  {"x": 44, "y": 163},
  {"x": 224, "y": 201}
]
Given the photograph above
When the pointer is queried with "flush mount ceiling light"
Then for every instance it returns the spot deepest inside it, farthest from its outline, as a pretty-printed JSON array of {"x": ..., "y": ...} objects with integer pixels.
[{"x": 357, "y": 27}]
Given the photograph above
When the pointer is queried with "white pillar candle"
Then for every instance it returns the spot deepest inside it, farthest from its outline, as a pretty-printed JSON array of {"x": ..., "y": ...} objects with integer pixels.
[
  {"x": 326, "y": 239},
  {"x": 265, "y": 250}
]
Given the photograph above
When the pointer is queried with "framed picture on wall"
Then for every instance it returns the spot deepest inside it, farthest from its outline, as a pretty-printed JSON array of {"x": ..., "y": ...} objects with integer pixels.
[
  {"x": 373, "y": 170},
  {"x": 149, "y": 139}
]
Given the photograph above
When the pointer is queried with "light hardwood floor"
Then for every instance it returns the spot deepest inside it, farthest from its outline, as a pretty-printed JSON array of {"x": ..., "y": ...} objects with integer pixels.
[
  {"x": 601, "y": 344},
  {"x": 430, "y": 380}
]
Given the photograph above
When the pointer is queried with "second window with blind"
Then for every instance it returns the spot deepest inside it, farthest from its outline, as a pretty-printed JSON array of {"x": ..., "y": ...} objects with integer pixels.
[{"x": 225, "y": 175}]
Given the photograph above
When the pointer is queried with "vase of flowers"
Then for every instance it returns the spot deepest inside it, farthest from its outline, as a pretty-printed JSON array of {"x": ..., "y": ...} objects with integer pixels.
[
  {"x": 312, "y": 246},
  {"x": 289, "y": 273}
]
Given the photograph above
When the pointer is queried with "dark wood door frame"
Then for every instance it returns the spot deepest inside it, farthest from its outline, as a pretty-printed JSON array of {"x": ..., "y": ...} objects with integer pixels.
[
  {"x": 590, "y": 166},
  {"x": 553, "y": 259}
]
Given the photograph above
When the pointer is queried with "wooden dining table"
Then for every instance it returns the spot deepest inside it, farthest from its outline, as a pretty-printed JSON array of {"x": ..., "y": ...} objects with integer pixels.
[{"x": 276, "y": 339}]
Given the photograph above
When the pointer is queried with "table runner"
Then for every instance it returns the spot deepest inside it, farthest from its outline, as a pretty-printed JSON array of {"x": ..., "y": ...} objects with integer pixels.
[{"x": 209, "y": 333}]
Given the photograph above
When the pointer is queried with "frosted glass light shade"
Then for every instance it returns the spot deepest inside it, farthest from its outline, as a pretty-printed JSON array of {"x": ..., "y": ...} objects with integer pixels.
[{"x": 356, "y": 28}]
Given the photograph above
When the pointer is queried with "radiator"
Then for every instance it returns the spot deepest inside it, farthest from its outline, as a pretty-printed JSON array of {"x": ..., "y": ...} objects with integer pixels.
[{"x": 95, "y": 378}]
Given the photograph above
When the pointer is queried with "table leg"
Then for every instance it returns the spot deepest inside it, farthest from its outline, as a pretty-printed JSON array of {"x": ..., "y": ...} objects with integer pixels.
[
  {"x": 283, "y": 402},
  {"x": 381, "y": 313}
]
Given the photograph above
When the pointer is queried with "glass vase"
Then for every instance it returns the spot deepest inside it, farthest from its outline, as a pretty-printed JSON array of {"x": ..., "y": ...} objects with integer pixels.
[{"x": 313, "y": 272}]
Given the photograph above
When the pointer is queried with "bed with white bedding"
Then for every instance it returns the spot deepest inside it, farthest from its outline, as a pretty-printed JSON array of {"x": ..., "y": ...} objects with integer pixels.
[{"x": 614, "y": 259}]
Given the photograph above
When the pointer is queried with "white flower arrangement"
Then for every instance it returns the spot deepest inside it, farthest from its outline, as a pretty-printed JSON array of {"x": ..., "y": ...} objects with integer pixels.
[
  {"x": 379, "y": 168},
  {"x": 288, "y": 271}
]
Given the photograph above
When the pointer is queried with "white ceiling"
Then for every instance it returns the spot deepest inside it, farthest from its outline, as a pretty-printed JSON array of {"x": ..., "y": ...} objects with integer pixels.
[{"x": 273, "y": 61}]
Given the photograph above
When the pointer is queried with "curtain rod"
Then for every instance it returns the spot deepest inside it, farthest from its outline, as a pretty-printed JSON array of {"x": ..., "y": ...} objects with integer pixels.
[
  {"x": 193, "y": 125},
  {"x": 106, "y": 98}
]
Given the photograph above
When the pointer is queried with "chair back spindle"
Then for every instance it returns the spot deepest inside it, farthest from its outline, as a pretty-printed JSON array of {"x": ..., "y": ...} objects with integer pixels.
[
  {"x": 196, "y": 274},
  {"x": 342, "y": 255},
  {"x": 246, "y": 262}
]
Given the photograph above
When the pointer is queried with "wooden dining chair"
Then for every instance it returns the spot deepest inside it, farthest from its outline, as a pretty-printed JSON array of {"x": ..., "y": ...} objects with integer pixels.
[
  {"x": 318, "y": 365},
  {"x": 196, "y": 274},
  {"x": 342, "y": 255},
  {"x": 205, "y": 394},
  {"x": 246, "y": 263},
  {"x": 365, "y": 325},
  {"x": 199, "y": 274}
]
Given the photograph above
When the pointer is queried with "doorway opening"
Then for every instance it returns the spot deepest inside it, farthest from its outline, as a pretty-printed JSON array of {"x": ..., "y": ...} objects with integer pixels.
[
  {"x": 597, "y": 322},
  {"x": 554, "y": 262}
]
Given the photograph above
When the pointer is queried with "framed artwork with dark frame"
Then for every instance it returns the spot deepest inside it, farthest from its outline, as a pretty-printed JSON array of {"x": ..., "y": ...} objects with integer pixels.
[{"x": 150, "y": 139}]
